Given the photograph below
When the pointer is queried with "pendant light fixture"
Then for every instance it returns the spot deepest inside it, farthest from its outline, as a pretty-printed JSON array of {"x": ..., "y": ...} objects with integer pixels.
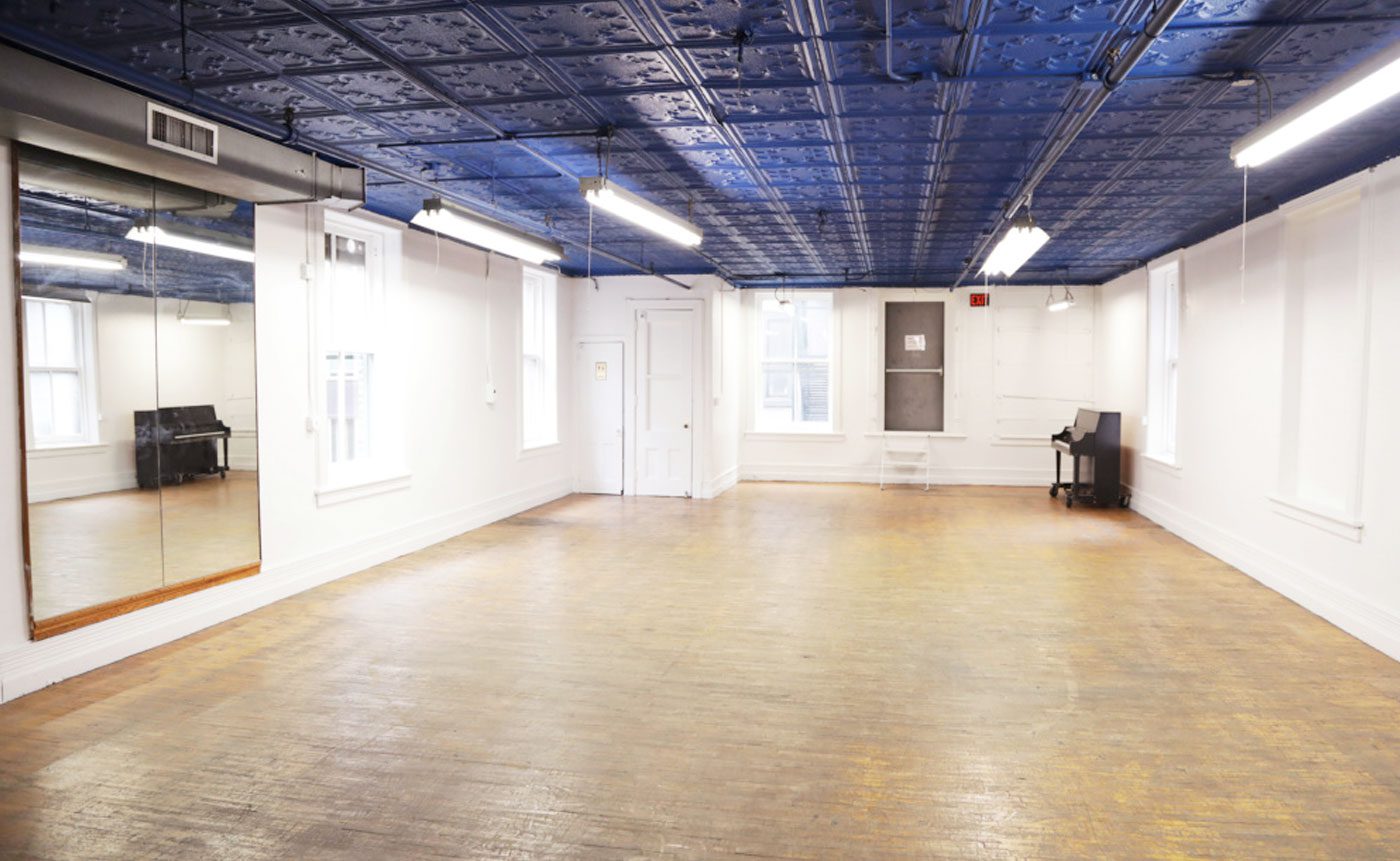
[
  {"x": 1062, "y": 304},
  {"x": 606, "y": 195},
  {"x": 1364, "y": 87},
  {"x": 448, "y": 219},
  {"x": 1021, "y": 241}
]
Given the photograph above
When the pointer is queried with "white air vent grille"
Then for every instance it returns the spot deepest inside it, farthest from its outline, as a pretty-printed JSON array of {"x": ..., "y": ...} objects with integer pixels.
[{"x": 182, "y": 133}]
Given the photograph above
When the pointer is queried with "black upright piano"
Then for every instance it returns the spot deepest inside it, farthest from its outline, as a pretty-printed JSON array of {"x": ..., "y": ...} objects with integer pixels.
[
  {"x": 1093, "y": 442},
  {"x": 176, "y": 443}
]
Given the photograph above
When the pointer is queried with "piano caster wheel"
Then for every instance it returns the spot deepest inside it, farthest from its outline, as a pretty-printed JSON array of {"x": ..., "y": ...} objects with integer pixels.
[
  {"x": 1123, "y": 501},
  {"x": 1069, "y": 500},
  {"x": 1054, "y": 491}
]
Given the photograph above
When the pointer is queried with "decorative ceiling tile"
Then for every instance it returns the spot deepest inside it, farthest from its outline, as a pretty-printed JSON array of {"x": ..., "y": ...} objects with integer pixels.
[
  {"x": 616, "y": 71},
  {"x": 299, "y": 47},
  {"x": 584, "y": 25},
  {"x": 505, "y": 79},
  {"x": 431, "y": 36},
  {"x": 705, "y": 20},
  {"x": 650, "y": 108},
  {"x": 372, "y": 89},
  {"x": 762, "y": 63}
]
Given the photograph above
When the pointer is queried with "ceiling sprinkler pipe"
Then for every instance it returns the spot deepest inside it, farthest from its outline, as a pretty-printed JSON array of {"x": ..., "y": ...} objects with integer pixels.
[{"x": 889, "y": 46}]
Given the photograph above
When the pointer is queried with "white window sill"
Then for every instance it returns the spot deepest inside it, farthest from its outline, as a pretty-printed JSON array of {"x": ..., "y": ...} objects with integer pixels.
[
  {"x": 1170, "y": 467},
  {"x": 914, "y": 434},
  {"x": 794, "y": 436},
  {"x": 68, "y": 449},
  {"x": 538, "y": 450},
  {"x": 1335, "y": 522},
  {"x": 360, "y": 489}
]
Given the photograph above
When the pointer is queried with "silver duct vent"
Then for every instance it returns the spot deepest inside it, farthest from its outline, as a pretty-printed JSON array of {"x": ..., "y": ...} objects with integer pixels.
[
  {"x": 182, "y": 133},
  {"x": 56, "y": 108}
]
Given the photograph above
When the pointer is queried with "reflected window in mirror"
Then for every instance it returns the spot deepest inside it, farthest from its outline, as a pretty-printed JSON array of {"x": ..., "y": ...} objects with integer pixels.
[{"x": 58, "y": 358}]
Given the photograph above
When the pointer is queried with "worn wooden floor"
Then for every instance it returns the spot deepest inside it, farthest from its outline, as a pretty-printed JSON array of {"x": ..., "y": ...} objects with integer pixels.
[{"x": 789, "y": 671}]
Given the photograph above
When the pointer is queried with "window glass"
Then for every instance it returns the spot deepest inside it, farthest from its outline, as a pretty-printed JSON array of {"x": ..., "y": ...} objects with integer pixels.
[{"x": 794, "y": 385}]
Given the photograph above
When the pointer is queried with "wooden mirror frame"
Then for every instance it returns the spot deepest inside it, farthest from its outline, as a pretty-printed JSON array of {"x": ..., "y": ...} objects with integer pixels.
[{"x": 41, "y": 629}]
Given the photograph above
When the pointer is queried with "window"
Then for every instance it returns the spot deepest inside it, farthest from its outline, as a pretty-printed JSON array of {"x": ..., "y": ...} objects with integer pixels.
[
  {"x": 794, "y": 368},
  {"x": 360, "y": 430},
  {"x": 539, "y": 414},
  {"x": 1163, "y": 322},
  {"x": 61, "y": 405}
]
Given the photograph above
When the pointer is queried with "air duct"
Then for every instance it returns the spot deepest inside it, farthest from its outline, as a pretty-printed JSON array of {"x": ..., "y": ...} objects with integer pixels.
[{"x": 56, "y": 108}]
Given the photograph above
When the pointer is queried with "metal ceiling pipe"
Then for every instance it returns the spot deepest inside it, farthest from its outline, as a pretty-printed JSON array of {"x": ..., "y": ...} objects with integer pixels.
[
  {"x": 56, "y": 108},
  {"x": 1156, "y": 25},
  {"x": 889, "y": 45}
]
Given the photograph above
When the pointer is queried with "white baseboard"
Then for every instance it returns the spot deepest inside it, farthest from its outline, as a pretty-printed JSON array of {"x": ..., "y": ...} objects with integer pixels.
[
  {"x": 720, "y": 483},
  {"x": 1337, "y": 604},
  {"x": 66, "y": 488},
  {"x": 865, "y": 474},
  {"x": 38, "y": 664}
]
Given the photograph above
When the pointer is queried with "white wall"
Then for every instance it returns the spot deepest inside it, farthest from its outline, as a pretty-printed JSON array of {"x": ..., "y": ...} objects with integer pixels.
[
  {"x": 464, "y": 462},
  {"x": 1240, "y": 377},
  {"x": 605, "y": 312},
  {"x": 198, "y": 365},
  {"x": 997, "y": 419}
]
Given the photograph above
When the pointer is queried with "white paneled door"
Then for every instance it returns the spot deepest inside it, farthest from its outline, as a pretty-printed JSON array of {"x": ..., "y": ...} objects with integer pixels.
[
  {"x": 665, "y": 399},
  {"x": 600, "y": 417}
]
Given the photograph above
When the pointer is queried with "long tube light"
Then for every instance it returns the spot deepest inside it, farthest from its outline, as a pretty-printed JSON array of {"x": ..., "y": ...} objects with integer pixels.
[
  {"x": 441, "y": 217},
  {"x": 46, "y": 255},
  {"x": 1362, "y": 88},
  {"x": 1015, "y": 248},
  {"x": 602, "y": 193},
  {"x": 153, "y": 234}
]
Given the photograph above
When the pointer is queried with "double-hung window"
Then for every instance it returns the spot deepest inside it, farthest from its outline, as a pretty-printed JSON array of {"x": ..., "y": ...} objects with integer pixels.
[
  {"x": 360, "y": 430},
  {"x": 1163, "y": 337},
  {"x": 61, "y": 405},
  {"x": 794, "y": 390},
  {"x": 539, "y": 372}
]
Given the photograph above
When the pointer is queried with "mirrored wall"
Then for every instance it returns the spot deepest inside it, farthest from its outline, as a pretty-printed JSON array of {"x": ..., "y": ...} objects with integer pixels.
[{"x": 139, "y": 389}]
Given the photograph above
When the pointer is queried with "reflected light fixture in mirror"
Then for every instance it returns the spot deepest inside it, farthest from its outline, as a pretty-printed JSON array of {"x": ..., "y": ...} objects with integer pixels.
[
  {"x": 43, "y": 255},
  {"x": 154, "y": 234}
]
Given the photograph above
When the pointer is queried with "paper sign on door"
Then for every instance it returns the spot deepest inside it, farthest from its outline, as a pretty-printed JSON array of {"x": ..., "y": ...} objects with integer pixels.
[
  {"x": 914, "y": 343},
  {"x": 600, "y": 370}
]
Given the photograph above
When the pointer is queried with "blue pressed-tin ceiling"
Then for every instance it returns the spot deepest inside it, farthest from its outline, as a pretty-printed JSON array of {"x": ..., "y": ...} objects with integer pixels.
[{"x": 804, "y": 158}]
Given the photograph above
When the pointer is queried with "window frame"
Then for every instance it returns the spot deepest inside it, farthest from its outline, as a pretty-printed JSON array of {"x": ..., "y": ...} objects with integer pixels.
[
  {"x": 761, "y": 362},
  {"x": 385, "y": 466},
  {"x": 543, "y": 329},
  {"x": 1164, "y": 313},
  {"x": 84, "y": 353}
]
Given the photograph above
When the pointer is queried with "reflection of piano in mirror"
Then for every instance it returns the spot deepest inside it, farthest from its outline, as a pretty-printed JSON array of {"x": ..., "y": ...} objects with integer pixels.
[
  {"x": 176, "y": 443},
  {"x": 1093, "y": 442}
]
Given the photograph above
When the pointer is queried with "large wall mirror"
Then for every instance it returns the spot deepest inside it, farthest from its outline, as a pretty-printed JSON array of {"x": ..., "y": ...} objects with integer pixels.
[{"x": 138, "y": 386}]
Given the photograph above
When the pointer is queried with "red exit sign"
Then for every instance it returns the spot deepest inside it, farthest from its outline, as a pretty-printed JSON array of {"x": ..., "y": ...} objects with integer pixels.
[{"x": 979, "y": 300}]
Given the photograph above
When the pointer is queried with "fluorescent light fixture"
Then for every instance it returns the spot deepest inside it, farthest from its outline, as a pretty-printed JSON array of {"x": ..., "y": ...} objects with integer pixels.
[
  {"x": 1063, "y": 304},
  {"x": 1015, "y": 248},
  {"x": 45, "y": 255},
  {"x": 602, "y": 193},
  {"x": 186, "y": 240},
  {"x": 1364, "y": 87},
  {"x": 442, "y": 217},
  {"x": 201, "y": 315}
]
